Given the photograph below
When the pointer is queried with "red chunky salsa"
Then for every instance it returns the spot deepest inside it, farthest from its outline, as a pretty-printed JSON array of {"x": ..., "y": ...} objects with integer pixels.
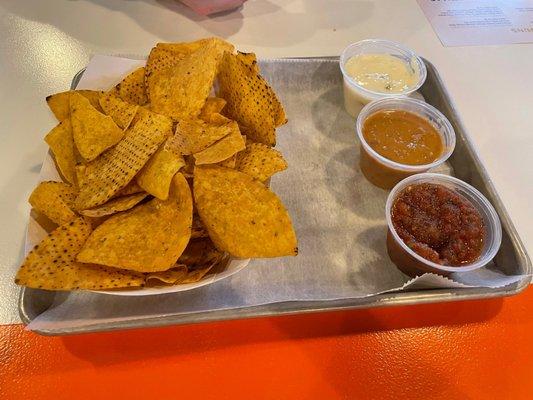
[{"x": 438, "y": 224}]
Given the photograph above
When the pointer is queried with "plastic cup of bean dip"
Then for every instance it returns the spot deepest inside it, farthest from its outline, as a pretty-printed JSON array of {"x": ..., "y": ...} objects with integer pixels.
[
  {"x": 440, "y": 224},
  {"x": 428, "y": 140},
  {"x": 374, "y": 69}
]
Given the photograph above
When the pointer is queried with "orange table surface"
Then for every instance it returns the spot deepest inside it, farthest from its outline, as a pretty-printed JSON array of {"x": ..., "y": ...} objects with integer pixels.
[{"x": 459, "y": 350}]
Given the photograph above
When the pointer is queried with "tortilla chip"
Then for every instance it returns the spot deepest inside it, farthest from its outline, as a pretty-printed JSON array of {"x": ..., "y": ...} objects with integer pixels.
[
  {"x": 196, "y": 275},
  {"x": 170, "y": 276},
  {"x": 52, "y": 264},
  {"x": 114, "y": 169},
  {"x": 181, "y": 91},
  {"x": 121, "y": 112},
  {"x": 250, "y": 100},
  {"x": 279, "y": 113},
  {"x": 80, "y": 170},
  {"x": 194, "y": 135},
  {"x": 131, "y": 188},
  {"x": 93, "y": 131},
  {"x": 132, "y": 88},
  {"x": 250, "y": 60},
  {"x": 218, "y": 119},
  {"x": 221, "y": 150},
  {"x": 158, "y": 61},
  {"x": 156, "y": 175},
  {"x": 55, "y": 200},
  {"x": 260, "y": 161},
  {"x": 116, "y": 205},
  {"x": 212, "y": 105},
  {"x": 147, "y": 238},
  {"x": 241, "y": 215},
  {"x": 230, "y": 162},
  {"x": 92, "y": 95},
  {"x": 167, "y": 55},
  {"x": 190, "y": 47},
  {"x": 62, "y": 146},
  {"x": 200, "y": 253},
  {"x": 142, "y": 112},
  {"x": 59, "y": 103}
]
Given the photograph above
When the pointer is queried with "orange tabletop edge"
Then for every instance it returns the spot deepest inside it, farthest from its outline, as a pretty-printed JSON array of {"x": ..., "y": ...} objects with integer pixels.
[{"x": 471, "y": 349}]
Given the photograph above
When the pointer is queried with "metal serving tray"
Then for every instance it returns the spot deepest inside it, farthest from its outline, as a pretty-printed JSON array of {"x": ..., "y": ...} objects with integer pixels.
[{"x": 324, "y": 73}]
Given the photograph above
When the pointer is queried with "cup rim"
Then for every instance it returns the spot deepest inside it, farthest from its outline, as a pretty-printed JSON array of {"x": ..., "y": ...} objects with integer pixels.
[
  {"x": 494, "y": 220},
  {"x": 365, "y": 112},
  {"x": 398, "y": 46}
]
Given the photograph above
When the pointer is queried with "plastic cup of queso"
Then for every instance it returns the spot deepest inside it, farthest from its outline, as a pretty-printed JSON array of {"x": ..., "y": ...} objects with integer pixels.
[
  {"x": 412, "y": 263},
  {"x": 386, "y": 173},
  {"x": 355, "y": 95}
]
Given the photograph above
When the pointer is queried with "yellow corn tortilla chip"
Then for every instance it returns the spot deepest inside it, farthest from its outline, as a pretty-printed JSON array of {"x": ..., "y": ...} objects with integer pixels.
[
  {"x": 93, "y": 131},
  {"x": 250, "y": 100},
  {"x": 115, "y": 168},
  {"x": 250, "y": 60},
  {"x": 196, "y": 275},
  {"x": 59, "y": 103},
  {"x": 170, "y": 276},
  {"x": 194, "y": 135},
  {"x": 121, "y": 112},
  {"x": 190, "y": 47},
  {"x": 230, "y": 162},
  {"x": 218, "y": 119},
  {"x": 115, "y": 205},
  {"x": 260, "y": 161},
  {"x": 156, "y": 175},
  {"x": 241, "y": 215},
  {"x": 55, "y": 200},
  {"x": 62, "y": 146},
  {"x": 200, "y": 253},
  {"x": 213, "y": 105},
  {"x": 80, "y": 171},
  {"x": 97, "y": 221},
  {"x": 131, "y": 188},
  {"x": 279, "y": 113},
  {"x": 142, "y": 112},
  {"x": 181, "y": 274},
  {"x": 181, "y": 91},
  {"x": 158, "y": 61},
  {"x": 147, "y": 238},
  {"x": 167, "y": 55},
  {"x": 52, "y": 264},
  {"x": 132, "y": 88},
  {"x": 221, "y": 150}
]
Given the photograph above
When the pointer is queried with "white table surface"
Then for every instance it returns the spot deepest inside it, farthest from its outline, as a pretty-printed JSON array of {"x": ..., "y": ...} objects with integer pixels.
[{"x": 44, "y": 43}]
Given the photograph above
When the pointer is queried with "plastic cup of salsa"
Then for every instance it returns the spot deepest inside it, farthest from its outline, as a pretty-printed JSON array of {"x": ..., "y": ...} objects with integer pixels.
[
  {"x": 413, "y": 264},
  {"x": 355, "y": 95},
  {"x": 386, "y": 173}
]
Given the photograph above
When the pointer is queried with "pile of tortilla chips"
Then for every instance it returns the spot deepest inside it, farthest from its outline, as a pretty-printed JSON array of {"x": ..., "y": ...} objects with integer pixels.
[{"x": 163, "y": 182}]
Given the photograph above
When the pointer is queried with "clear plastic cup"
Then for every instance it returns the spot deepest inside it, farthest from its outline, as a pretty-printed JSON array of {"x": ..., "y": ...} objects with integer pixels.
[
  {"x": 355, "y": 95},
  {"x": 386, "y": 173},
  {"x": 412, "y": 263}
]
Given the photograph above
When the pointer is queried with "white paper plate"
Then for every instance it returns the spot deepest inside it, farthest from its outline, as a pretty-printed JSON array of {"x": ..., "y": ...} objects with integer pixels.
[{"x": 36, "y": 233}]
